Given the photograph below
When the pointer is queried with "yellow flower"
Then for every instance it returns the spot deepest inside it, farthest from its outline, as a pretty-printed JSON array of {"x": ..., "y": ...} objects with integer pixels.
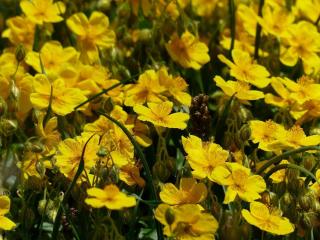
[
  {"x": 204, "y": 8},
  {"x": 175, "y": 86},
  {"x": 63, "y": 99},
  {"x": 33, "y": 164},
  {"x": 130, "y": 174},
  {"x": 49, "y": 134},
  {"x": 240, "y": 182},
  {"x": 283, "y": 100},
  {"x": 303, "y": 90},
  {"x": 316, "y": 186},
  {"x": 241, "y": 90},
  {"x": 109, "y": 197},
  {"x": 295, "y": 138},
  {"x": 276, "y": 20},
  {"x": 92, "y": 33},
  {"x": 267, "y": 134},
  {"x": 53, "y": 56},
  {"x": 147, "y": 89},
  {"x": 20, "y": 31},
  {"x": 190, "y": 192},
  {"x": 244, "y": 69},
  {"x": 248, "y": 19},
  {"x": 301, "y": 41},
  {"x": 159, "y": 115},
  {"x": 70, "y": 151},
  {"x": 261, "y": 217},
  {"x": 203, "y": 157},
  {"x": 188, "y": 51},
  {"x": 189, "y": 223},
  {"x": 5, "y": 223},
  {"x": 280, "y": 175},
  {"x": 140, "y": 131},
  {"x": 309, "y": 9},
  {"x": 43, "y": 11}
]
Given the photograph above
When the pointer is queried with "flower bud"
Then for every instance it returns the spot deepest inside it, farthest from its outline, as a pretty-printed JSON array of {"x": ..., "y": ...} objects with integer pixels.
[
  {"x": 20, "y": 53},
  {"x": 315, "y": 131},
  {"x": 104, "y": 5},
  {"x": 245, "y": 132},
  {"x": 306, "y": 221},
  {"x": 14, "y": 91},
  {"x": 8, "y": 127},
  {"x": 160, "y": 171},
  {"x": 307, "y": 202},
  {"x": 42, "y": 206},
  {"x": 287, "y": 199},
  {"x": 169, "y": 216},
  {"x": 3, "y": 107},
  {"x": 52, "y": 215},
  {"x": 102, "y": 152},
  {"x": 40, "y": 168},
  {"x": 145, "y": 35},
  {"x": 308, "y": 162}
]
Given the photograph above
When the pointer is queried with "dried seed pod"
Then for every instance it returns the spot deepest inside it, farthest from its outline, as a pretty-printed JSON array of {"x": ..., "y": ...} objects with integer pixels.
[{"x": 200, "y": 117}]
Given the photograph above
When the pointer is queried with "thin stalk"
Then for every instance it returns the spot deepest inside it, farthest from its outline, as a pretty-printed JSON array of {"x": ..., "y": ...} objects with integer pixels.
[
  {"x": 105, "y": 91},
  {"x": 278, "y": 158},
  {"x": 258, "y": 32},
  {"x": 232, "y": 17},
  {"x": 290, "y": 165},
  {"x": 56, "y": 224},
  {"x": 144, "y": 163}
]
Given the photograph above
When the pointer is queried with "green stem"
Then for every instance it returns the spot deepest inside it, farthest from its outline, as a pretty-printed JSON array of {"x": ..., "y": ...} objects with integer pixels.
[
  {"x": 56, "y": 224},
  {"x": 144, "y": 163},
  {"x": 290, "y": 165},
  {"x": 105, "y": 91},
  {"x": 278, "y": 158},
  {"x": 315, "y": 167},
  {"x": 258, "y": 32},
  {"x": 232, "y": 24},
  {"x": 221, "y": 124}
]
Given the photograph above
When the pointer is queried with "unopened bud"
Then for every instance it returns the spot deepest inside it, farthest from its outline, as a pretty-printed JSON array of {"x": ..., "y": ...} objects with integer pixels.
[
  {"x": 40, "y": 168},
  {"x": 103, "y": 5},
  {"x": 245, "y": 132},
  {"x": 145, "y": 35},
  {"x": 20, "y": 53},
  {"x": 169, "y": 216},
  {"x": 42, "y": 206},
  {"x": 102, "y": 152},
  {"x": 3, "y": 107},
  {"x": 8, "y": 126},
  {"x": 287, "y": 198},
  {"x": 14, "y": 91}
]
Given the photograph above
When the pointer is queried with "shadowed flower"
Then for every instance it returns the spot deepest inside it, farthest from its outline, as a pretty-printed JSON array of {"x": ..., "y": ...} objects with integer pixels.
[
  {"x": 189, "y": 192},
  {"x": 187, "y": 222},
  {"x": 109, "y": 197},
  {"x": 261, "y": 217},
  {"x": 188, "y": 51},
  {"x": 70, "y": 152}
]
